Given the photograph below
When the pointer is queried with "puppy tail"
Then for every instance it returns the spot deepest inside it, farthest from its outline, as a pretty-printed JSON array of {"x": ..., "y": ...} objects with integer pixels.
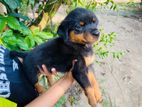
[{"x": 18, "y": 54}]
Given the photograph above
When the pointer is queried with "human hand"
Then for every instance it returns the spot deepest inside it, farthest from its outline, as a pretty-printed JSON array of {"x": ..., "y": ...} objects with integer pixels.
[
  {"x": 45, "y": 71},
  {"x": 53, "y": 94},
  {"x": 50, "y": 75}
]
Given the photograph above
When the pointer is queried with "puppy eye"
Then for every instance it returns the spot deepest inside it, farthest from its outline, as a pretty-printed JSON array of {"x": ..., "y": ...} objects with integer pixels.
[
  {"x": 94, "y": 20},
  {"x": 77, "y": 29},
  {"x": 82, "y": 23}
]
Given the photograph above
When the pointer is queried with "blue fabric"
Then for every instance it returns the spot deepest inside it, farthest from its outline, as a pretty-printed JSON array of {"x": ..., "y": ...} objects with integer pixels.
[{"x": 14, "y": 84}]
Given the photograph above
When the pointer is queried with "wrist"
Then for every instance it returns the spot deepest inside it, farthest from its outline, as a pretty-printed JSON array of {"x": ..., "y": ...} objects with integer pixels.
[
  {"x": 67, "y": 81},
  {"x": 68, "y": 77}
]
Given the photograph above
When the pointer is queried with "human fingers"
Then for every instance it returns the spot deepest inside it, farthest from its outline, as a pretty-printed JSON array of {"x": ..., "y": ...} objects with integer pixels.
[
  {"x": 54, "y": 72},
  {"x": 47, "y": 73},
  {"x": 45, "y": 70}
]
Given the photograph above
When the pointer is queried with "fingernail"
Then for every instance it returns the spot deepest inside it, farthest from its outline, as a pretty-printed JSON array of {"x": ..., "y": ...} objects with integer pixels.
[
  {"x": 53, "y": 69},
  {"x": 43, "y": 66}
]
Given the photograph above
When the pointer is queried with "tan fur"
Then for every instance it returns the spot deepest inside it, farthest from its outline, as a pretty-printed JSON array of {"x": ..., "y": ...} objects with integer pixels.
[
  {"x": 82, "y": 23},
  {"x": 89, "y": 92},
  {"x": 93, "y": 92},
  {"x": 82, "y": 38},
  {"x": 96, "y": 90},
  {"x": 89, "y": 60},
  {"x": 77, "y": 38},
  {"x": 89, "y": 38},
  {"x": 94, "y": 20}
]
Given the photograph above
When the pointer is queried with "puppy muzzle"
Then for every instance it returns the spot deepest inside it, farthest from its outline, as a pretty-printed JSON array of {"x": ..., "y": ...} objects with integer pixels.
[{"x": 95, "y": 32}]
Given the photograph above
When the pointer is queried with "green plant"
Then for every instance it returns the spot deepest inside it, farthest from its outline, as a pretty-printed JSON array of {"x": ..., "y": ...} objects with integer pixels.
[
  {"x": 102, "y": 48},
  {"x": 16, "y": 36},
  {"x": 61, "y": 102},
  {"x": 72, "y": 100},
  {"x": 90, "y": 4}
]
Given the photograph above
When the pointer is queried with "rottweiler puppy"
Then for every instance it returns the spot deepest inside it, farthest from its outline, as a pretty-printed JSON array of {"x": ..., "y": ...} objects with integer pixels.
[{"x": 77, "y": 33}]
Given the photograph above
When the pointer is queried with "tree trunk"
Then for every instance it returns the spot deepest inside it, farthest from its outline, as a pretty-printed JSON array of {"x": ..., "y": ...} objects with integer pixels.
[{"x": 48, "y": 12}]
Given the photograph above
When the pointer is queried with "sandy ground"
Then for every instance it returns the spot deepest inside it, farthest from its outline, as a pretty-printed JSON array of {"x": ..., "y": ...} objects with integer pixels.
[{"x": 120, "y": 80}]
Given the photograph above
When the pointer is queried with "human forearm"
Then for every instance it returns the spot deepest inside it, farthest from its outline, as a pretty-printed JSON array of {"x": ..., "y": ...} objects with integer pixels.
[{"x": 50, "y": 98}]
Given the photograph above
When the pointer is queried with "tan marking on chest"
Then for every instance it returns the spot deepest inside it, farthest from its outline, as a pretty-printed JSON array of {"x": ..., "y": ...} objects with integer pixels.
[{"x": 89, "y": 59}]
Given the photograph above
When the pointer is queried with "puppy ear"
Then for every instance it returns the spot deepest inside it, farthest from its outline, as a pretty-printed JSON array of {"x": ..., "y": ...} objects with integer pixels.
[{"x": 63, "y": 30}]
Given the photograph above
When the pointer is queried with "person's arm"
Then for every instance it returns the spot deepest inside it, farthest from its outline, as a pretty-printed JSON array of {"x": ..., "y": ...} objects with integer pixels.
[{"x": 53, "y": 94}]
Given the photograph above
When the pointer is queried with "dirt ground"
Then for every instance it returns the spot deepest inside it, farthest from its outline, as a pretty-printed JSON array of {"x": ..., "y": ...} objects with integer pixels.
[{"x": 120, "y": 80}]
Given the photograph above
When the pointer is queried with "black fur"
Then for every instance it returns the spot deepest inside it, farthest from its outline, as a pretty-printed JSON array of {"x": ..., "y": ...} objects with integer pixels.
[{"x": 60, "y": 52}]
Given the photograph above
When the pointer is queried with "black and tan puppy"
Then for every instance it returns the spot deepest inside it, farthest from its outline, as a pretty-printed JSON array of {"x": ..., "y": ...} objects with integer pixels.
[{"x": 77, "y": 33}]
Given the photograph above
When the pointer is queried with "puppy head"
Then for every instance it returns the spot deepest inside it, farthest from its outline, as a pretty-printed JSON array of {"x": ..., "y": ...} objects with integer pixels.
[{"x": 80, "y": 26}]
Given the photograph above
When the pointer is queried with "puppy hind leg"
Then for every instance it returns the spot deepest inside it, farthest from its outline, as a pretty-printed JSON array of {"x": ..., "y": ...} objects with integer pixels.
[
  {"x": 91, "y": 98},
  {"x": 83, "y": 80},
  {"x": 95, "y": 86}
]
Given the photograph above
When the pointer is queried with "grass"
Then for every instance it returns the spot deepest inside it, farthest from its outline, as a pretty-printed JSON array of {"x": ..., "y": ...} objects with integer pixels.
[
  {"x": 61, "y": 102},
  {"x": 131, "y": 7}
]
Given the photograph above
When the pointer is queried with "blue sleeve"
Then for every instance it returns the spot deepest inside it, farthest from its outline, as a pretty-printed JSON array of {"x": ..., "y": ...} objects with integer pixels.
[{"x": 14, "y": 84}]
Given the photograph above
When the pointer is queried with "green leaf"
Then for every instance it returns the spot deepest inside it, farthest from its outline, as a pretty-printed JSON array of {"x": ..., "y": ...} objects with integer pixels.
[
  {"x": 32, "y": 2},
  {"x": 105, "y": 103},
  {"x": 19, "y": 15},
  {"x": 2, "y": 24},
  {"x": 36, "y": 30},
  {"x": 11, "y": 47},
  {"x": 21, "y": 41},
  {"x": 22, "y": 45},
  {"x": 13, "y": 4},
  {"x": 24, "y": 29},
  {"x": 32, "y": 41},
  {"x": 115, "y": 7},
  {"x": 9, "y": 39},
  {"x": 38, "y": 40},
  {"x": 8, "y": 33},
  {"x": 13, "y": 23},
  {"x": 60, "y": 102},
  {"x": 80, "y": 2},
  {"x": 45, "y": 35},
  {"x": 29, "y": 41},
  {"x": 118, "y": 54}
]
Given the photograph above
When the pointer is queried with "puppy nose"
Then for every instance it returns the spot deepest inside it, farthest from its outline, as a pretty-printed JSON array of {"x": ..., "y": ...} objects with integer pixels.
[{"x": 95, "y": 32}]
